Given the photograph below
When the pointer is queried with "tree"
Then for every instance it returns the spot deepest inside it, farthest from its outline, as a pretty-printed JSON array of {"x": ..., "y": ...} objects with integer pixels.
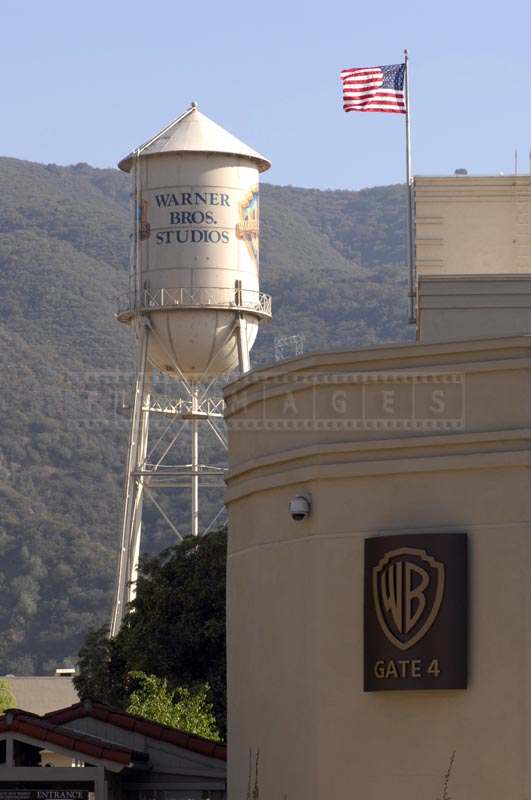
[
  {"x": 7, "y": 698},
  {"x": 101, "y": 669},
  {"x": 183, "y": 708},
  {"x": 175, "y": 630},
  {"x": 176, "y": 627}
]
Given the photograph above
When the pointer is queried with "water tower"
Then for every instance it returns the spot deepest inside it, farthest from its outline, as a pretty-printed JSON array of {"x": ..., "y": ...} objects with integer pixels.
[{"x": 194, "y": 303}]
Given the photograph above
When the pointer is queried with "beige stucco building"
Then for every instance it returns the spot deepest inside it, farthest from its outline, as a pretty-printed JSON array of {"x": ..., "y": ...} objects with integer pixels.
[
  {"x": 473, "y": 256},
  {"x": 42, "y": 693},
  {"x": 431, "y": 437}
]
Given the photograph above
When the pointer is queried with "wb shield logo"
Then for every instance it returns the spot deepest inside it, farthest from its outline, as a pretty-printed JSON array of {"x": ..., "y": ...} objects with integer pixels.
[{"x": 408, "y": 589}]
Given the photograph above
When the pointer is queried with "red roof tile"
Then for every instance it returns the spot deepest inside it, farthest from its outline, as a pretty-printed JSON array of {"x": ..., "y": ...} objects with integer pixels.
[
  {"x": 131, "y": 722},
  {"x": 51, "y": 732}
]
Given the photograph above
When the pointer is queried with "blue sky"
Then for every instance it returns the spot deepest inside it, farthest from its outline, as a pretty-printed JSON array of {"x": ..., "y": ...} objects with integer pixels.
[{"x": 86, "y": 81}]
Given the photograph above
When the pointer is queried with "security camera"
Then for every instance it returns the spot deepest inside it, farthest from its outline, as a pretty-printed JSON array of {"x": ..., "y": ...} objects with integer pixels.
[{"x": 300, "y": 506}]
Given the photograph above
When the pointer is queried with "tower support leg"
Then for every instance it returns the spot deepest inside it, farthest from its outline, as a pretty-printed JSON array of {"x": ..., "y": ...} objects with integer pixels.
[
  {"x": 136, "y": 517},
  {"x": 133, "y": 488},
  {"x": 243, "y": 346},
  {"x": 195, "y": 465}
]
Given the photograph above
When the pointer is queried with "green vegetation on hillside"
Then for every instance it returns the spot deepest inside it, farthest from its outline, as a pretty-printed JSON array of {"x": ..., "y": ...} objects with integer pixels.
[{"x": 333, "y": 262}]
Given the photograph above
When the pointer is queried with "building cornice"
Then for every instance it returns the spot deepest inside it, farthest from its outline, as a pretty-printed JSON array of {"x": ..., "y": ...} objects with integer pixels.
[
  {"x": 489, "y": 450},
  {"x": 415, "y": 357}
]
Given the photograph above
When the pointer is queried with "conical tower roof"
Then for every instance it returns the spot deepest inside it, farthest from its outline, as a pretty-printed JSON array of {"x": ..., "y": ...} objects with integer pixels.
[{"x": 193, "y": 132}]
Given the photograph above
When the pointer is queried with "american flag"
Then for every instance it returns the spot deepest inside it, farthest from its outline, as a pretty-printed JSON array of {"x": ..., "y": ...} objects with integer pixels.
[{"x": 375, "y": 89}]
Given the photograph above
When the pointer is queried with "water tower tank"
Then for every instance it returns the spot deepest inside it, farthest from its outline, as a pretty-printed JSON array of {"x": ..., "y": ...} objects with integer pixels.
[{"x": 196, "y": 239}]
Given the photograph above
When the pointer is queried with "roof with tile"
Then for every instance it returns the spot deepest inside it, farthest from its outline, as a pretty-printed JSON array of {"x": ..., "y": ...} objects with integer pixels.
[
  {"x": 52, "y": 733},
  {"x": 131, "y": 722}
]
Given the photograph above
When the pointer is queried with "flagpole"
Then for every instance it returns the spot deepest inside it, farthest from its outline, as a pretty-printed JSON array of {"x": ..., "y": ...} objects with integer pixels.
[{"x": 409, "y": 179}]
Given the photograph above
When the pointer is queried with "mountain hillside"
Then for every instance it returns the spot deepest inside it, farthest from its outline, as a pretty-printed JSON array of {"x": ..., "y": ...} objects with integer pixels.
[{"x": 334, "y": 264}]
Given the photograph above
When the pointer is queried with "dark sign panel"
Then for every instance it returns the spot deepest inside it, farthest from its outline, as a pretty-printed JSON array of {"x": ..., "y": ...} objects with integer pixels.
[{"x": 416, "y": 612}]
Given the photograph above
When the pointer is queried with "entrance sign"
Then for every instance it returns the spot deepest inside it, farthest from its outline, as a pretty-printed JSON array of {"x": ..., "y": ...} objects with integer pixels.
[
  {"x": 43, "y": 794},
  {"x": 416, "y": 611}
]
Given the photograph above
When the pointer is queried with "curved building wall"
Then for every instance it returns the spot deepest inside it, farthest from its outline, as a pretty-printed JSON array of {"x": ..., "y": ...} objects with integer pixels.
[{"x": 416, "y": 439}]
